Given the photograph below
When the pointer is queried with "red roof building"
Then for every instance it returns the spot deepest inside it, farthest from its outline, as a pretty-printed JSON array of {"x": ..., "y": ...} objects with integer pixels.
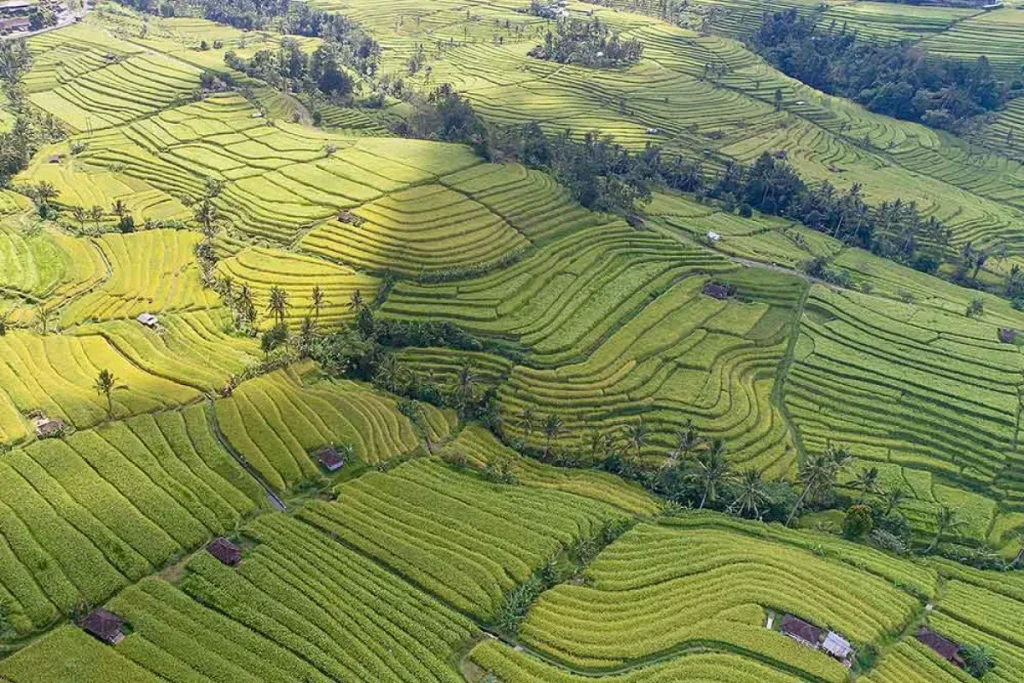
[
  {"x": 104, "y": 625},
  {"x": 225, "y": 551}
]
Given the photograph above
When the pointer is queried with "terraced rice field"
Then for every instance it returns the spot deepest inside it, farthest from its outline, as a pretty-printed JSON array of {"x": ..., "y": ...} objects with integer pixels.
[
  {"x": 297, "y": 274},
  {"x": 93, "y": 91},
  {"x": 562, "y": 300},
  {"x": 658, "y": 587},
  {"x": 425, "y": 229},
  {"x": 996, "y": 34},
  {"x": 276, "y": 420},
  {"x": 85, "y": 516},
  {"x": 481, "y": 448},
  {"x": 464, "y": 540},
  {"x": 150, "y": 272},
  {"x": 300, "y": 608},
  {"x": 949, "y": 388},
  {"x": 56, "y": 374}
]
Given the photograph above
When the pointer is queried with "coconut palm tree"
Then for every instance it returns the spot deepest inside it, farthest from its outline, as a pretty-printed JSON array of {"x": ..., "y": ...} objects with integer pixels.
[
  {"x": 711, "y": 472},
  {"x": 119, "y": 208},
  {"x": 751, "y": 494},
  {"x": 525, "y": 420},
  {"x": 277, "y": 304},
  {"x": 318, "y": 300},
  {"x": 206, "y": 215},
  {"x": 81, "y": 215},
  {"x": 818, "y": 475},
  {"x": 356, "y": 302},
  {"x": 104, "y": 385},
  {"x": 687, "y": 439},
  {"x": 552, "y": 428},
  {"x": 866, "y": 482},
  {"x": 894, "y": 498},
  {"x": 636, "y": 436},
  {"x": 465, "y": 384},
  {"x": 96, "y": 214},
  {"x": 245, "y": 309},
  {"x": 43, "y": 317},
  {"x": 947, "y": 520}
]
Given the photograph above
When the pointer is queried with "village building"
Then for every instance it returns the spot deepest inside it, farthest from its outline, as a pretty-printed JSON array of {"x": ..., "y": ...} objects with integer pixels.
[
  {"x": 802, "y": 632},
  {"x": 943, "y": 647},
  {"x": 225, "y": 551},
  {"x": 838, "y": 647},
  {"x": 149, "y": 320},
  {"x": 14, "y": 24},
  {"x": 48, "y": 429},
  {"x": 330, "y": 459},
  {"x": 104, "y": 625},
  {"x": 716, "y": 290},
  {"x": 714, "y": 236}
]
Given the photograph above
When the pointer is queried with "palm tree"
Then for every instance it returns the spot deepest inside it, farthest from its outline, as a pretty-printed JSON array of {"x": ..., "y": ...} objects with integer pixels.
[
  {"x": 894, "y": 498},
  {"x": 245, "y": 309},
  {"x": 947, "y": 519},
  {"x": 43, "y": 317},
  {"x": 277, "y": 304},
  {"x": 819, "y": 475},
  {"x": 81, "y": 215},
  {"x": 687, "y": 439},
  {"x": 751, "y": 495},
  {"x": 636, "y": 437},
  {"x": 465, "y": 384},
  {"x": 356, "y": 302},
  {"x": 866, "y": 482},
  {"x": 227, "y": 287},
  {"x": 104, "y": 385},
  {"x": 206, "y": 215},
  {"x": 318, "y": 301},
  {"x": 525, "y": 420},
  {"x": 119, "y": 209},
  {"x": 96, "y": 214},
  {"x": 711, "y": 472},
  {"x": 552, "y": 428}
]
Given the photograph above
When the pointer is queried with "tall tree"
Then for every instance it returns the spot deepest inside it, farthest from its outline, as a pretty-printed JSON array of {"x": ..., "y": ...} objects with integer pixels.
[
  {"x": 818, "y": 475},
  {"x": 636, "y": 437},
  {"x": 866, "y": 482},
  {"x": 711, "y": 472},
  {"x": 552, "y": 428},
  {"x": 318, "y": 302},
  {"x": 277, "y": 304},
  {"x": 947, "y": 521},
  {"x": 104, "y": 384},
  {"x": 751, "y": 494}
]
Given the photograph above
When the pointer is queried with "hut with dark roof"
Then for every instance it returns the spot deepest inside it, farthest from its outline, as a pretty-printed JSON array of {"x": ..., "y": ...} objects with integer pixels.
[
  {"x": 943, "y": 647},
  {"x": 104, "y": 625},
  {"x": 716, "y": 290},
  {"x": 330, "y": 459},
  {"x": 800, "y": 631},
  {"x": 225, "y": 551}
]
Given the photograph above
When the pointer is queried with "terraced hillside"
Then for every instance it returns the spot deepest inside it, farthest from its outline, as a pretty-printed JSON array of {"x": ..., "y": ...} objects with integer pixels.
[{"x": 508, "y": 513}]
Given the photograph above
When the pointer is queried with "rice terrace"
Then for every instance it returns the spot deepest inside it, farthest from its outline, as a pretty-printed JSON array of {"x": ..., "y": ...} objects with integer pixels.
[{"x": 511, "y": 341}]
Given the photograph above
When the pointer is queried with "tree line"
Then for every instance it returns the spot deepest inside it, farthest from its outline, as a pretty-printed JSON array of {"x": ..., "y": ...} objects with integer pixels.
[
  {"x": 895, "y": 78},
  {"x": 587, "y": 43},
  {"x": 602, "y": 175},
  {"x": 30, "y": 129}
]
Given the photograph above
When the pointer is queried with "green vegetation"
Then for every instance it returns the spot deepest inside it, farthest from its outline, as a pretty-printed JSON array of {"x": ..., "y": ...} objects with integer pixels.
[{"x": 507, "y": 341}]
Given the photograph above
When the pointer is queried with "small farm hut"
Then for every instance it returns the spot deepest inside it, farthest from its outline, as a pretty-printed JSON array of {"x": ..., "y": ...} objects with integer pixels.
[
  {"x": 838, "y": 647},
  {"x": 225, "y": 551},
  {"x": 104, "y": 625},
  {"x": 148, "y": 319},
  {"x": 330, "y": 459},
  {"x": 943, "y": 647},
  {"x": 800, "y": 631}
]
